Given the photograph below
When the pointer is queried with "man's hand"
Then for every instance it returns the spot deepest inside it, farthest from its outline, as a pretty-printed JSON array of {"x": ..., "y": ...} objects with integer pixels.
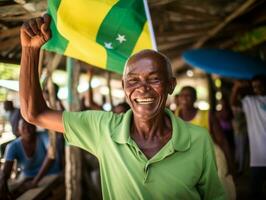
[{"x": 35, "y": 32}]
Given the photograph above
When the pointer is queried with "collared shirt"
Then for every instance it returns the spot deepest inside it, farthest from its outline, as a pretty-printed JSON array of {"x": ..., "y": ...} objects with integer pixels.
[{"x": 183, "y": 169}]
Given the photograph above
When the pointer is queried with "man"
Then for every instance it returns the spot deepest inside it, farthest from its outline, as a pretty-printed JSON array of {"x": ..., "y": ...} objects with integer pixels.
[
  {"x": 254, "y": 107},
  {"x": 30, "y": 151},
  {"x": 14, "y": 116},
  {"x": 146, "y": 153}
]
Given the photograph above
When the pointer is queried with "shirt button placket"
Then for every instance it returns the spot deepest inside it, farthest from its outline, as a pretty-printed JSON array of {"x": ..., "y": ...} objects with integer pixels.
[{"x": 146, "y": 172}]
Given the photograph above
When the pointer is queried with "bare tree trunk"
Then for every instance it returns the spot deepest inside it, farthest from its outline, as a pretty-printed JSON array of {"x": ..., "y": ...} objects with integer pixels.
[{"x": 73, "y": 154}]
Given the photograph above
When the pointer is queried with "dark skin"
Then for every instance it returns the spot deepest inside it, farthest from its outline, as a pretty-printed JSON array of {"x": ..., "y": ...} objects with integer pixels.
[
  {"x": 186, "y": 102},
  {"x": 146, "y": 79},
  {"x": 242, "y": 88},
  {"x": 239, "y": 89},
  {"x": 187, "y": 112},
  {"x": 146, "y": 85},
  {"x": 28, "y": 139}
]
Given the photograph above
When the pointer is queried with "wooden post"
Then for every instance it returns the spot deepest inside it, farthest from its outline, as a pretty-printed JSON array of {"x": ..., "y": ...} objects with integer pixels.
[
  {"x": 109, "y": 88},
  {"x": 212, "y": 90},
  {"x": 73, "y": 154},
  {"x": 51, "y": 66}
]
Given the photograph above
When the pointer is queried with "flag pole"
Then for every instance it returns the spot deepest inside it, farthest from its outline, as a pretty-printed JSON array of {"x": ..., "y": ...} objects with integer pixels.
[{"x": 154, "y": 46}]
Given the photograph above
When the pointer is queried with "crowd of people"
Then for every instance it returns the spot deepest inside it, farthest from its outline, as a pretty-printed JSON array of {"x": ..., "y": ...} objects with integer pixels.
[{"x": 145, "y": 150}]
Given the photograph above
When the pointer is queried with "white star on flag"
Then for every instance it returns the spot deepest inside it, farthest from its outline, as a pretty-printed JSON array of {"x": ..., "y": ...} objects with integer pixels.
[
  {"x": 108, "y": 45},
  {"x": 121, "y": 38}
]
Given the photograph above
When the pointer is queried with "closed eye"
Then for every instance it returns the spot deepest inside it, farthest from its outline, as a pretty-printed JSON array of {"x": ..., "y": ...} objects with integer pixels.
[
  {"x": 154, "y": 79},
  {"x": 132, "y": 81}
]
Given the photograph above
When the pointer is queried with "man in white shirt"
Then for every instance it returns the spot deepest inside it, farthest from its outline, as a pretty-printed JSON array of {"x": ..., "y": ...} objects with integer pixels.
[{"x": 254, "y": 107}]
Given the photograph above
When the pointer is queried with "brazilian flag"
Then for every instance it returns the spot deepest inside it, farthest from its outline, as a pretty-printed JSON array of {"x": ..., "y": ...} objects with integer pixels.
[{"x": 103, "y": 33}]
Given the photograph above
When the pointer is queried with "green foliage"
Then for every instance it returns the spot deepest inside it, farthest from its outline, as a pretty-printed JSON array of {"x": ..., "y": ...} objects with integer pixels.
[
  {"x": 9, "y": 71},
  {"x": 251, "y": 39}
]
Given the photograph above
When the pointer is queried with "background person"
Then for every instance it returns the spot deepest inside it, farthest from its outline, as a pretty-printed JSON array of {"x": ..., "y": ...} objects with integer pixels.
[
  {"x": 254, "y": 107},
  {"x": 14, "y": 116},
  {"x": 30, "y": 151},
  {"x": 188, "y": 112}
]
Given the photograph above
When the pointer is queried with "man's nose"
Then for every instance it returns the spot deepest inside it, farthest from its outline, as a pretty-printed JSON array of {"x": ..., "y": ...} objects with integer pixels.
[{"x": 144, "y": 86}]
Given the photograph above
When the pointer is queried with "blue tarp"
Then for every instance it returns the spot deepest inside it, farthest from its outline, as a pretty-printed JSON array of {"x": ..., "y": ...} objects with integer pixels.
[{"x": 225, "y": 63}]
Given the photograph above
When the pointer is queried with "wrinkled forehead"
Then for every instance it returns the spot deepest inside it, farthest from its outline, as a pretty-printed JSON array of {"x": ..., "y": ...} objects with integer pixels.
[{"x": 145, "y": 60}]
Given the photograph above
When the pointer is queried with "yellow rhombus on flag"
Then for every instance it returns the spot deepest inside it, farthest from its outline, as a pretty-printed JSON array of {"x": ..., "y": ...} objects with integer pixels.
[{"x": 101, "y": 33}]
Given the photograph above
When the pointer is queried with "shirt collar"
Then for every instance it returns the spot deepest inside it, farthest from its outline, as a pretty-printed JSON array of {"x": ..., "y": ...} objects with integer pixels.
[{"x": 180, "y": 137}]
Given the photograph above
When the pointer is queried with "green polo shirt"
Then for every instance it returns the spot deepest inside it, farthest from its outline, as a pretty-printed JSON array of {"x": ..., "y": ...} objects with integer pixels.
[{"x": 183, "y": 169}]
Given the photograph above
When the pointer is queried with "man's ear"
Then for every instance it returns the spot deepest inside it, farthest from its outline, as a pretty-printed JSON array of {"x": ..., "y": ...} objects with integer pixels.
[
  {"x": 172, "y": 84},
  {"x": 123, "y": 84}
]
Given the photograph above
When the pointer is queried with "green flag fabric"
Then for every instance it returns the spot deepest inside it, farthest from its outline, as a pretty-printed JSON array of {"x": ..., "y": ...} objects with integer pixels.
[{"x": 101, "y": 33}]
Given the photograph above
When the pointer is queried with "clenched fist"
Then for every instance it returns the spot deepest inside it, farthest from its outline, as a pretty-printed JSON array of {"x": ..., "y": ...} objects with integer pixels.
[{"x": 35, "y": 32}]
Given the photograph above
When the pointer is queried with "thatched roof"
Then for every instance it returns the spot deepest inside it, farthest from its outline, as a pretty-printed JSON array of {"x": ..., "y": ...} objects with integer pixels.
[{"x": 178, "y": 25}]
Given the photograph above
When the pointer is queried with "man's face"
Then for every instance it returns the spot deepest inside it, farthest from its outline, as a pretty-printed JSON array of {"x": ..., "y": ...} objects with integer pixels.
[
  {"x": 258, "y": 87},
  {"x": 146, "y": 85},
  {"x": 186, "y": 99}
]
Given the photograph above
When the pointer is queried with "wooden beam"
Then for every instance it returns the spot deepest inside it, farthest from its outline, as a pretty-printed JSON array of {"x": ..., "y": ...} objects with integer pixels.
[
  {"x": 9, "y": 43},
  {"x": 22, "y": 17},
  {"x": 192, "y": 27},
  {"x": 9, "y": 32},
  {"x": 216, "y": 29},
  {"x": 159, "y": 3},
  {"x": 170, "y": 45},
  {"x": 178, "y": 14},
  {"x": 192, "y": 11},
  {"x": 171, "y": 37},
  {"x": 226, "y": 21},
  {"x": 12, "y": 10}
]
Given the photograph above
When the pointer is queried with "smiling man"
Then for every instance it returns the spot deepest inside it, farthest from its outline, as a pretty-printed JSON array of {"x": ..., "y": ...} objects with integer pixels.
[{"x": 146, "y": 153}]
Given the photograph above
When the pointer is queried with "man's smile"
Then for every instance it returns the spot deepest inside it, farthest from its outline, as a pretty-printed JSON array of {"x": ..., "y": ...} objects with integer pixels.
[{"x": 148, "y": 100}]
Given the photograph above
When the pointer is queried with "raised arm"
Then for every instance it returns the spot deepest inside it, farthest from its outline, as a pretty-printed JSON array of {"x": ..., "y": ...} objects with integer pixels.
[
  {"x": 240, "y": 89},
  {"x": 33, "y": 35},
  {"x": 235, "y": 92}
]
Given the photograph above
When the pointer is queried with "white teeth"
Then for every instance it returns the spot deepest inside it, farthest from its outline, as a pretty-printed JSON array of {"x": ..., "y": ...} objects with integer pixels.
[{"x": 145, "y": 100}]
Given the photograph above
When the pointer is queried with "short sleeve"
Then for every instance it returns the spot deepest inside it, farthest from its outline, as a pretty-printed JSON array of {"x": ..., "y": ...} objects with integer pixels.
[
  {"x": 10, "y": 152},
  {"x": 85, "y": 129},
  {"x": 210, "y": 187}
]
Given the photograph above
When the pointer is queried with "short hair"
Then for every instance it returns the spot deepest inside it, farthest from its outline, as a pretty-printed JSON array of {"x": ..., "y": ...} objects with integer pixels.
[
  {"x": 8, "y": 105},
  {"x": 144, "y": 53},
  {"x": 191, "y": 89}
]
